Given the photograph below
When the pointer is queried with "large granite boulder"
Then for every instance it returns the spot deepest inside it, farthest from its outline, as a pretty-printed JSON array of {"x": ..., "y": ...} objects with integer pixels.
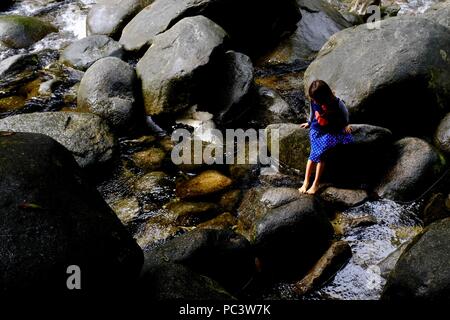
[
  {"x": 107, "y": 89},
  {"x": 288, "y": 230},
  {"x": 85, "y": 135},
  {"x": 109, "y": 17},
  {"x": 51, "y": 219},
  {"x": 415, "y": 165},
  {"x": 396, "y": 76},
  {"x": 174, "y": 65},
  {"x": 422, "y": 271},
  {"x": 319, "y": 22},
  {"x": 269, "y": 21}
]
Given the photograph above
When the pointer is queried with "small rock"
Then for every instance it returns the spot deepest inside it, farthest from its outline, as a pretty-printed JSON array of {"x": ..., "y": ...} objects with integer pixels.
[
  {"x": 343, "y": 223},
  {"x": 343, "y": 198},
  {"x": 189, "y": 214},
  {"x": 157, "y": 229},
  {"x": 442, "y": 135},
  {"x": 281, "y": 180},
  {"x": 155, "y": 186},
  {"x": 85, "y": 52},
  {"x": 127, "y": 209},
  {"x": 206, "y": 183},
  {"x": 325, "y": 269},
  {"x": 225, "y": 221},
  {"x": 150, "y": 159},
  {"x": 230, "y": 200}
]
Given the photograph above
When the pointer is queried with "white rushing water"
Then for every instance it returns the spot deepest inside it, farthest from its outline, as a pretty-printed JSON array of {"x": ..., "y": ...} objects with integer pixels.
[
  {"x": 413, "y": 7},
  {"x": 361, "y": 277},
  {"x": 395, "y": 223},
  {"x": 68, "y": 16}
]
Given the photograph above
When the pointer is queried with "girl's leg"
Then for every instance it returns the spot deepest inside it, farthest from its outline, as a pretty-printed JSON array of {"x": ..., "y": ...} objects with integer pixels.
[
  {"x": 316, "y": 183},
  {"x": 310, "y": 166}
]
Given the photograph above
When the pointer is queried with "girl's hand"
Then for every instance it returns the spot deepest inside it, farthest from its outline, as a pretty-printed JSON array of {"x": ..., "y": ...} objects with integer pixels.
[
  {"x": 348, "y": 129},
  {"x": 304, "y": 125}
]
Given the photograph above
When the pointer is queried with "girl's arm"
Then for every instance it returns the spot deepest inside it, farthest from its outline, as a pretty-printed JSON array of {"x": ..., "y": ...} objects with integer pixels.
[
  {"x": 311, "y": 114},
  {"x": 344, "y": 110}
]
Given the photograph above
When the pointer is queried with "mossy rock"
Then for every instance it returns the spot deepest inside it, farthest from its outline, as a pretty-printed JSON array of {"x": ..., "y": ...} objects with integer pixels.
[{"x": 21, "y": 32}]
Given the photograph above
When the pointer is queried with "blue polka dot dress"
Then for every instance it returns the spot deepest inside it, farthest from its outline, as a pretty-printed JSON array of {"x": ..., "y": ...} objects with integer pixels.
[{"x": 323, "y": 140}]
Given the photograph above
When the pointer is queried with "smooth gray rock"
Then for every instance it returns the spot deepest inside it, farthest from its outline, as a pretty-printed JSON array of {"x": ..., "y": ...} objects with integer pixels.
[
  {"x": 17, "y": 63},
  {"x": 83, "y": 53},
  {"x": 270, "y": 108},
  {"x": 318, "y": 23},
  {"x": 21, "y": 32},
  {"x": 422, "y": 271},
  {"x": 295, "y": 140},
  {"x": 288, "y": 230},
  {"x": 440, "y": 13},
  {"x": 415, "y": 166},
  {"x": 235, "y": 85},
  {"x": 442, "y": 135},
  {"x": 155, "y": 19},
  {"x": 343, "y": 198},
  {"x": 383, "y": 89},
  {"x": 269, "y": 21},
  {"x": 169, "y": 71},
  {"x": 171, "y": 281},
  {"x": 107, "y": 89},
  {"x": 109, "y": 17},
  {"x": 51, "y": 218},
  {"x": 85, "y": 135},
  {"x": 221, "y": 255}
]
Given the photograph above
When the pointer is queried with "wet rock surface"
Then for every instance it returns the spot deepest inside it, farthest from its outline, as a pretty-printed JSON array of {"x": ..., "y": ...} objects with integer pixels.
[
  {"x": 21, "y": 32},
  {"x": 83, "y": 53},
  {"x": 51, "y": 216},
  {"x": 370, "y": 83},
  {"x": 421, "y": 271},
  {"x": 85, "y": 135}
]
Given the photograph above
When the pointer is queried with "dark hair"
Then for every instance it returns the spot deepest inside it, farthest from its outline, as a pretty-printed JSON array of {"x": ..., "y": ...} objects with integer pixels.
[{"x": 321, "y": 92}]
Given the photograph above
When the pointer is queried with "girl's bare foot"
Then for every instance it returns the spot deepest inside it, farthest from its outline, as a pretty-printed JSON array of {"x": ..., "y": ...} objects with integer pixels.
[
  {"x": 303, "y": 188},
  {"x": 314, "y": 188}
]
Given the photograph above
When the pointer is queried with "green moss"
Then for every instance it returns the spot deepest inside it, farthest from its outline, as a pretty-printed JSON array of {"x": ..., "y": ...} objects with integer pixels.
[{"x": 30, "y": 23}]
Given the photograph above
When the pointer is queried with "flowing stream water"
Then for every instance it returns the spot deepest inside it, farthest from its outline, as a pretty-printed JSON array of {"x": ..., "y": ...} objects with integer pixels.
[{"x": 394, "y": 223}]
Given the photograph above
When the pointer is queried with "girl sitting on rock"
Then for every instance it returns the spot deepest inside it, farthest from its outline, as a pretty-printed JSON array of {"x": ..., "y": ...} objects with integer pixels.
[{"x": 329, "y": 127}]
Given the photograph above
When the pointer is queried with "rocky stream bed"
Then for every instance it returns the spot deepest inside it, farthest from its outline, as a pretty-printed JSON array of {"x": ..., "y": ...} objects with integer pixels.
[{"x": 111, "y": 80}]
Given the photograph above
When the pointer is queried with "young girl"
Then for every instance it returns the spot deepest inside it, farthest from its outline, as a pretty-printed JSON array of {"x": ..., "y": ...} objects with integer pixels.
[{"x": 329, "y": 127}]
